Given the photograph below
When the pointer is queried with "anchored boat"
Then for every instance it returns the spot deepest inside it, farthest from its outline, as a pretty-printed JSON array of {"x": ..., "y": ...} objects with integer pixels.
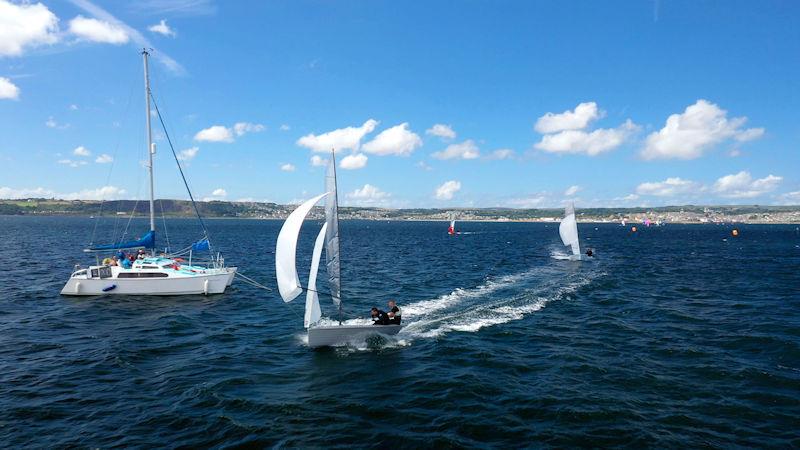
[
  {"x": 289, "y": 282},
  {"x": 151, "y": 273}
]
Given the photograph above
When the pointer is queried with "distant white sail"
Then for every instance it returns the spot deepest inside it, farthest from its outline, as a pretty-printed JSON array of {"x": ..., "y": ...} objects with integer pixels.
[
  {"x": 568, "y": 229},
  {"x": 332, "y": 261},
  {"x": 313, "y": 312},
  {"x": 286, "y": 250}
]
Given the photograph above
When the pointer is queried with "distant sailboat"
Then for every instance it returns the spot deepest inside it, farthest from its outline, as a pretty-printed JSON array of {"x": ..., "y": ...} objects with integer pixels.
[
  {"x": 452, "y": 229},
  {"x": 289, "y": 282},
  {"x": 568, "y": 229}
]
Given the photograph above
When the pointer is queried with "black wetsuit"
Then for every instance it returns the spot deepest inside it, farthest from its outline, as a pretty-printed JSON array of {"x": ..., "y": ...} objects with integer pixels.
[
  {"x": 397, "y": 316},
  {"x": 381, "y": 319}
]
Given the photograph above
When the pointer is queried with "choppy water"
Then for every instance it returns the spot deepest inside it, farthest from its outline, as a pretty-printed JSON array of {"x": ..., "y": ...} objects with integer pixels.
[{"x": 672, "y": 337}]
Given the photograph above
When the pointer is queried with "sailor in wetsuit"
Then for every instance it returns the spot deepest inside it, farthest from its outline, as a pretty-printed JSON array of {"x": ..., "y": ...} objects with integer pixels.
[
  {"x": 379, "y": 317},
  {"x": 394, "y": 313}
]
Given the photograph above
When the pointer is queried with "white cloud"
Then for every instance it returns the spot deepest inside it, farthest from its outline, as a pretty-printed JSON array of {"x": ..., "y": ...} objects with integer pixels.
[
  {"x": 630, "y": 198},
  {"x": 447, "y": 190},
  {"x": 288, "y": 167},
  {"x": 103, "y": 193},
  {"x": 368, "y": 194},
  {"x": 240, "y": 128},
  {"x": 355, "y": 161},
  {"x": 73, "y": 107},
  {"x": 25, "y": 25},
  {"x": 71, "y": 163},
  {"x": 216, "y": 194},
  {"x": 501, "y": 153},
  {"x": 318, "y": 161},
  {"x": 8, "y": 90},
  {"x": 104, "y": 159},
  {"x": 572, "y": 190},
  {"x": 527, "y": 202},
  {"x": 188, "y": 154},
  {"x": 162, "y": 28},
  {"x": 742, "y": 185},
  {"x": 285, "y": 127},
  {"x": 397, "y": 140},
  {"x": 577, "y": 119},
  {"x": 442, "y": 131},
  {"x": 700, "y": 127},
  {"x": 52, "y": 123},
  {"x": 424, "y": 166},
  {"x": 590, "y": 143},
  {"x": 81, "y": 151},
  {"x": 791, "y": 197},
  {"x": 96, "y": 30},
  {"x": 667, "y": 188},
  {"x": 341, "y": 139},
  {"x": 215, "y": 133},
  {"x": 464, "y": 150}
]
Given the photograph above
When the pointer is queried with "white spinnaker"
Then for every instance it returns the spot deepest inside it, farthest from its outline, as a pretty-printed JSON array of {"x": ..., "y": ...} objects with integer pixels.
[
  {"x": 313, "y": 312},
  {"x": 568, "y": 229},
  {"x": 332, "y": 261},
  {"x": 286, "y": 250}
]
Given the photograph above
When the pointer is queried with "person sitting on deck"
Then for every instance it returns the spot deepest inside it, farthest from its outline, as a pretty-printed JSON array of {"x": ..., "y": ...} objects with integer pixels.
[
  {"x": 141, "y": 254},
  {"x": 125, "y": 263},
  {"x": 394, "y": 313},
  {"x": 379, "y": 317}
]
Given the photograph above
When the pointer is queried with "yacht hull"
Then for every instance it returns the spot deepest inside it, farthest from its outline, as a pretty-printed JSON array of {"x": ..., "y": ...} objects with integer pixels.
[
  {"x": 206, "y": 284},
  {"x": 342, "y": 334}
]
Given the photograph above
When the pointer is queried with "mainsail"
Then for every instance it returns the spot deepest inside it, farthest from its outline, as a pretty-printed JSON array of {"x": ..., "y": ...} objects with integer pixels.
[
  {"x": 286, "y": 250},
  {"x": 313, "y": 312},
  {"x": 569, "y": 229},
  {"x": 332, "y": 236}
]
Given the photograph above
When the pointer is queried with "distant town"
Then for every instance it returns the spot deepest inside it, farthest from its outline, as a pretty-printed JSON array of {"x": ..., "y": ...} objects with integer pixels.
[{"x": 257, "y": 210}]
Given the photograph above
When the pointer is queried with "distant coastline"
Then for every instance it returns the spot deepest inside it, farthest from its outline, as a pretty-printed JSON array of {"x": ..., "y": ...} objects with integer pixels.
[{"x": 259, "y": 210}]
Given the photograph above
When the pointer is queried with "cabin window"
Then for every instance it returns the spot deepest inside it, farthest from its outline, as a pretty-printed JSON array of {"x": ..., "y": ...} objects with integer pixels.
[
  {"x": 142, "y": 275},
  {"x": 149, "y": 267}
]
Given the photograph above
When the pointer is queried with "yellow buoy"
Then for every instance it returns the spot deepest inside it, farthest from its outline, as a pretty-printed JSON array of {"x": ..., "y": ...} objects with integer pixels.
[
  {"x": 633, "y": 229},
  {"x": 735, "y": 232}
]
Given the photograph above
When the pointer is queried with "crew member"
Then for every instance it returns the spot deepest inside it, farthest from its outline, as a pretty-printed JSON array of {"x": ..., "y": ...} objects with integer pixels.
[
  {"x": 379, "y": 317},
  {"x": 589, "y": 253},
  {"x": 394, "y": 313}
]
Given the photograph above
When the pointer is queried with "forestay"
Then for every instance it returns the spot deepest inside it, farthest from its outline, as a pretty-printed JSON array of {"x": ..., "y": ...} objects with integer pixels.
[
  {"x": 568, "y": 229},
  {"x": 286, "y": 250},
  {"x": 313, "y": 311}
]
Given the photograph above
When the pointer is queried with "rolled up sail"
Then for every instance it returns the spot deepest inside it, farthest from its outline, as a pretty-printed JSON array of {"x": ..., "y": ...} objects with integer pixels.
[
  {"x": 286, "y": 250},
  {"x": 333, "y": 263},
  {"x": 568, "y": 229},
  {"x": 146, "y": 241},
  {"x": 313, "y": 312}
]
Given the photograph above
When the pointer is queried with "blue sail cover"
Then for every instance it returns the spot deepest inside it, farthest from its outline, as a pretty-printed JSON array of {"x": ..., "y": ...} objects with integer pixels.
[
  {"x": 202, "y": 244},
  {"x": 146, "y": 241}
]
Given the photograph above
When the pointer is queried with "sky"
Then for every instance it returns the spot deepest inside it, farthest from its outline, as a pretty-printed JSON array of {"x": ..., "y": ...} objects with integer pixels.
[{"x": 467, "y": 103}]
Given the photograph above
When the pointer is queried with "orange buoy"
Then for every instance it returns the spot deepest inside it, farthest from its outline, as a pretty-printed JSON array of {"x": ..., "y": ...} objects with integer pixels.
[
  {"x": 633, "y": 229},
  {"x": 735, "y": 232}
]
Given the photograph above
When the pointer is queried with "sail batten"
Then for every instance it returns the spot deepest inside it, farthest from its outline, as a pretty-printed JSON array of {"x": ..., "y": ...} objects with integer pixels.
[
  {"x": 313, "y": 311},
  {"x": 286, "y": 251},
  {"x": 568, "y": 229},
  {"x": 332, "y": 261}
]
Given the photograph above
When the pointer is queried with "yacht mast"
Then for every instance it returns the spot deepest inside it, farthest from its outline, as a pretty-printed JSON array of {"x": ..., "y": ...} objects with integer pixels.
[{"x": 150, "y": 147}]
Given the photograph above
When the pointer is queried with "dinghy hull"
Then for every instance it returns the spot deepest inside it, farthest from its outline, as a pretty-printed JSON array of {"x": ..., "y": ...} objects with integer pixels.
[{"x": 342, "y": 334}]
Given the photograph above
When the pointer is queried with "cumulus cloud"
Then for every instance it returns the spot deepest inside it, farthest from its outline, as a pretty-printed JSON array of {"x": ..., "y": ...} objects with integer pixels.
[
  {"x": 368, "y": 194},
  {"x": 162, "y": 28},
  {"x": 285, "y": 127},
  {"x": 8, "y": 90},
  {"x": 447, "y": 190},
  {"x": 52, "y": 123},
  {"x": 668, "y": 188},
  {"x": 318, "y": 161},
  {"x": 24, "y": 26},
  {"x": 397, "y": 140},
  {"x": 104, "y": 159},
  {"x": 216, "y": 194},
  {"x": 590, "y": 143},
  {"x": 96, "y": 30},
  {"x": 81, "y": 151},
  {"x": 742, "y": 185},
  {"x": 527, "y": 202},
  {"x": 241, "y": 128},
  {"x": 188, "y": 154},
  {"x": 354, "y": 161},
  {"x": 791, "y": 197},
  {"x": 572, "y": 190},
  {"x": 215, "y": 133},
  {"x": 340, "y": 139},
  {"x": 576, "y": 119},
  {"x": 72, "y": 162},
  {"x": 501, "y": 153},
  {"x": 424, "y": 166},
  {"x": 464, "y": 150},
  {"x": 288, "y": 167},
  {"x": 441, "y": 130},
  {"x": 699, "y": 128}
]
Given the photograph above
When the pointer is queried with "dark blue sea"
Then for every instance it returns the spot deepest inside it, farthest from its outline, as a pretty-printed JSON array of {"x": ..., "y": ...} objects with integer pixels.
[{"x": 675, "y": 336}]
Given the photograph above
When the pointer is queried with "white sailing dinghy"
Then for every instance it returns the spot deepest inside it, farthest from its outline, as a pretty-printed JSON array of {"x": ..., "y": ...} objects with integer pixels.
[
  {"x": 165, "y": 274},
  {"x": 289, "y": 282},
  {"x": 568, "y": 229}
]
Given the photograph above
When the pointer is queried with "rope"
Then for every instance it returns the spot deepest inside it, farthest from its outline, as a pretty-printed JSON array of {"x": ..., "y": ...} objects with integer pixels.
[{"x": 252, "y": 282}]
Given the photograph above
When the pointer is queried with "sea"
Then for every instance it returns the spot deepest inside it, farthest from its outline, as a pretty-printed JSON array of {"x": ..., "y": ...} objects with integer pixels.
[{"x": 671, "y": 337}]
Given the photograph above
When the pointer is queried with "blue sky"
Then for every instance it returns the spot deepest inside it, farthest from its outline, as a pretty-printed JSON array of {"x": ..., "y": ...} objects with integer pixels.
[{"x": 458, "y": 103}]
